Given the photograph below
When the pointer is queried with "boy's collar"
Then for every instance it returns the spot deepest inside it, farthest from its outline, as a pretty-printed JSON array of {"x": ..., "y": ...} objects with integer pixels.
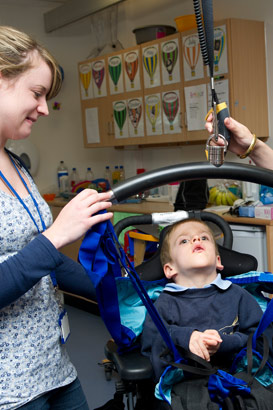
[{"x": 222, "y": 284}]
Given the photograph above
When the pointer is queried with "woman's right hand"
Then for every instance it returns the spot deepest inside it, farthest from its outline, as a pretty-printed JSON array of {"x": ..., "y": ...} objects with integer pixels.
[
  {"x": 78, "y": 216},
  {"x": 240, "y": 141},
  {"x": 241, "y": 137}
]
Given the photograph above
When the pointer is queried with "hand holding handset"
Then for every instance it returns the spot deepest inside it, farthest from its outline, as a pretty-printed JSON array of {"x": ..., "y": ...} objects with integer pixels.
[{"x": 215, "y": 153}]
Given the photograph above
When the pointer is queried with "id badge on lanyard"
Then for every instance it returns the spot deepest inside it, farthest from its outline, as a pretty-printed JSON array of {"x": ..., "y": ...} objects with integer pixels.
[
  {"x": 64, "y": 325},
  {"x": 63, "y": 318}
]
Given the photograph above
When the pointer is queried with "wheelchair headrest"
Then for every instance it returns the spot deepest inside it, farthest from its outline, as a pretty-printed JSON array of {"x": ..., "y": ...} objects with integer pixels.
[{"x": 235, "y": 263}]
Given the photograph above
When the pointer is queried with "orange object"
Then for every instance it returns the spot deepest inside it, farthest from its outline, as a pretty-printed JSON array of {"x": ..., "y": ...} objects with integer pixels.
[
  {"x": 184, "y": 23},
  {"x": 49, "y": 197},
  {"x": 140, "y": 240}
]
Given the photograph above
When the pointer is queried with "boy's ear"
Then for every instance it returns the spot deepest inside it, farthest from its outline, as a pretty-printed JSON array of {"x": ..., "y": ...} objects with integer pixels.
[
  {"x": 219, "y": 265},
  {"x": 169, "y": 270}
]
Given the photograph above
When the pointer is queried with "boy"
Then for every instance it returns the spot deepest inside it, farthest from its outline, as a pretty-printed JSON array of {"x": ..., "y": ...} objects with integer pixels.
[{"x": 204, "y": 314}]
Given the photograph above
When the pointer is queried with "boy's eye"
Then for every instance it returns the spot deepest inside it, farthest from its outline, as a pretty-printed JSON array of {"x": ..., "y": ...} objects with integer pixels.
[
  {"x": 184, "y": 241},
  {"x": 204, "y": 238}
]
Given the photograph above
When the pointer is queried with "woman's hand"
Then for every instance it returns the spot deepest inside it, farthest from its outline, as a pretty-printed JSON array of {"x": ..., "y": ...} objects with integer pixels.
[
  {"x": 78, "y": 216},
  {"x": 240, "y": 139}
]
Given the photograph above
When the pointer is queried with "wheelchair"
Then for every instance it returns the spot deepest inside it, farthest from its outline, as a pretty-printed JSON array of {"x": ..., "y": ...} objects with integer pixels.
[{"x": 135, "y": 370}]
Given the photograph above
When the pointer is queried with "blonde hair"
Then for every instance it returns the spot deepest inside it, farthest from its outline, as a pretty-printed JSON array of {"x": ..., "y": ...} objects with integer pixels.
[
  {"x": 165, "y": 256},
  {"x": 16, "y": 50}
]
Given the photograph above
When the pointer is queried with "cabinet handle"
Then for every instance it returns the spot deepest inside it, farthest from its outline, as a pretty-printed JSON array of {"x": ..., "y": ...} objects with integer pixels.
[
  {"x": 180, "y": 120},
  {"x": 110, "y": 128}
]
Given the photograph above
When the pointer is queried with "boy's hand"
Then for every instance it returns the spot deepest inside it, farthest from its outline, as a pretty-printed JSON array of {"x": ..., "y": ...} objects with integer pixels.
[
  {"x": 212, "y": 340},
  {"x": 197, "y": 345},
  {"x": 205, "y": 344}
]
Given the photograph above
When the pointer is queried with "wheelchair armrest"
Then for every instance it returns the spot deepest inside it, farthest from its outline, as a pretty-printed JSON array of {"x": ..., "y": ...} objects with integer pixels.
[{"x": 129, "y": 365}]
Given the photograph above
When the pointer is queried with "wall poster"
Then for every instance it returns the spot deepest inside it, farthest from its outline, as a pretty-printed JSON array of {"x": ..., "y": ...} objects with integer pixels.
[
  {"x": 170, "y": 62},
  {"x": 153, "y": 114},
  {"x": 170, "y": 109},
  {"x": 192, "y": 58},
  {"x": 120, "y": 119},
  {"x": 220, "y": 50},
  {"x": 115, "y": 74},
  {"x": 98, "y": 79},
  {"x": 196, "y": 106},
  {"x": 92, "y": 125},
  {"x": 221, "y": 89},
  {"x": 131, "y": 68},
  {"x": 151, "y": 69},
  {"x": 85, "y": 72},
  {"x": 135, "y": 115}
]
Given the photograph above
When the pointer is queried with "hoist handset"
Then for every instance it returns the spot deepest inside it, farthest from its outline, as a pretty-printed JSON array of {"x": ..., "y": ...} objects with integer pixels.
[{"x": 222, "y": 113}]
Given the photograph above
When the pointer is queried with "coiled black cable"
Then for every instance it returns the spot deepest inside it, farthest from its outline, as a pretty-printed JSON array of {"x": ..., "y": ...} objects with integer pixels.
[{"x": 201, "y": 34}]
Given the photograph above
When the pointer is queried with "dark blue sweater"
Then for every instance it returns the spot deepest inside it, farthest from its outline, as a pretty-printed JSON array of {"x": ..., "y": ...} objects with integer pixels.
[
  {"x": 233, "y": 312},
  {"x": 37, "y": 259}
]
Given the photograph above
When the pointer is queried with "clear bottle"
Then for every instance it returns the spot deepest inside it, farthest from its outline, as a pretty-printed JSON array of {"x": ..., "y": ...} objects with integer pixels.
[
  {"x": 115, "y": 175},
  {"x": 62, "y": 175},
  {"x": 121, "y": 173},
  {"x": 108, "y": 174},
  {"x": 74, "y": 178},
  {"x": 89, "y": 176}
]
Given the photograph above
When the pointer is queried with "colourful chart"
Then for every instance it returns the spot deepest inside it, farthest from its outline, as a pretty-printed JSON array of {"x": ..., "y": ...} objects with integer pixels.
[
  {"x": 150, "y": 59},
  {"x": 219, "y": 45},
  {"x": 85, "y": 76},
  {"x": 192, "y": 52},
  {"x": 120, "y": 115},
  {"x": 170, "y": 106},
  {"x": 153, "y": 110},
  {"x": 169, "y": 56},
  {"x": 131, "y": 66},
  {"x": 98, "y": 71},
  {"x": 135, "y": 111},
  {"x": 114, "y": 66}
]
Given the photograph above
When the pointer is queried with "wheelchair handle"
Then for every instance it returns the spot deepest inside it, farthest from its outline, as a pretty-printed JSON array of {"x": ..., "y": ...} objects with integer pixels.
[
  {"x": 189, "y": 172},
  {"x": 150, "y": 219}
]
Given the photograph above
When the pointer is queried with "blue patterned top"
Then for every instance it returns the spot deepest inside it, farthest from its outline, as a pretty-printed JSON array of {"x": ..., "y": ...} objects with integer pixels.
[{"x": 32, "y": 359}]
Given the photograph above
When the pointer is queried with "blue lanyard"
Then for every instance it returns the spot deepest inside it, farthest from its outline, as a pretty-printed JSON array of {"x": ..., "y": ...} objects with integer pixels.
[
  {"x": 52, "y": 274},
  {"x": 20, "y": 199}
]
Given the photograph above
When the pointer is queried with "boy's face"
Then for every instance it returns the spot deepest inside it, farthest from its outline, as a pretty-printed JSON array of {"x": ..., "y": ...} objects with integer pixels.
[{"x": 192, "y": 249}]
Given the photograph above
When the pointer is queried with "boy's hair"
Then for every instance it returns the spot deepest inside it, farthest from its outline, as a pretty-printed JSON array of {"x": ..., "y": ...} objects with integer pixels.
[
  {"x": 16, "y": 57},
  {"x": 165, "y": 256}
]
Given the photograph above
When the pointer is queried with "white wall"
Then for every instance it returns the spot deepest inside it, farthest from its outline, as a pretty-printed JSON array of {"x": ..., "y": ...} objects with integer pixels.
[{"x": 59, "y": 137}]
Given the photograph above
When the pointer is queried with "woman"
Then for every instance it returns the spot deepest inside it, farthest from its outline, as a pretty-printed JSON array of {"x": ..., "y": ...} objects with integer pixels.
[
  {"x": 244, "y": 143},
  {"x": 35, "y": 371}
]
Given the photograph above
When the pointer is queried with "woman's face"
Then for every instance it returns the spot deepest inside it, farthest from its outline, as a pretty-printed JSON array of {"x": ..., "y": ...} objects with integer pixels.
[{"x": 23, "y": 100}]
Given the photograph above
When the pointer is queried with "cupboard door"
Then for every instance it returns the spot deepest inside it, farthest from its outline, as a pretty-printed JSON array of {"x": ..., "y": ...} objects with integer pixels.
[
  {"x": 97, "y": 123},
  {"x": 248, "y": 85},
  {"x": 159, "y": 92}
]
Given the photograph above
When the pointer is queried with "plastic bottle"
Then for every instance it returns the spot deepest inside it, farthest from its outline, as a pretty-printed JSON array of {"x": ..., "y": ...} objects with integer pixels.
[
  {"x": 89, "y": 176},
  {"x": 121, "y": 173},
  {"x": 62, "y": 175},
  {"x": 115, "y": 175},
  {"x": 74, "y": 178},
  {"x": 108, "y": 174}
]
